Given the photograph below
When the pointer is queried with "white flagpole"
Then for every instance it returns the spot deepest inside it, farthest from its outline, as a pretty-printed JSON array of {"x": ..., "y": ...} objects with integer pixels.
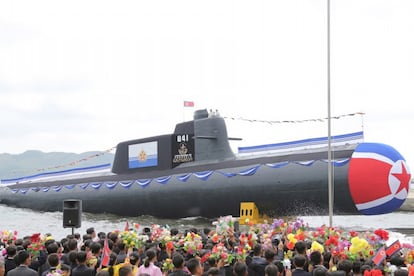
[{"x": 330, "y": 174}]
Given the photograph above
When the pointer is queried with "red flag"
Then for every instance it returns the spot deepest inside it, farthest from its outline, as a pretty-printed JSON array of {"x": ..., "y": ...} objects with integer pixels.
[
  {"x": 126, "y": 226},
  {"x": 188, "y": 104},
  {"x": 105, "y": 254},
  {"x": 379, "y": 256},
  {"x": 393, "y": 248}
]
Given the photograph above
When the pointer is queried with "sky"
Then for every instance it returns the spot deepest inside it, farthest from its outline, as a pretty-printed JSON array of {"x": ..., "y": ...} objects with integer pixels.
[{"x": 84, "y": 75}]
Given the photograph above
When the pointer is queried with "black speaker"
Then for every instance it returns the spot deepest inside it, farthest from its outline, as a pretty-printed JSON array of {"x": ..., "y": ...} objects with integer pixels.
[{"x": 72, "y": 213}]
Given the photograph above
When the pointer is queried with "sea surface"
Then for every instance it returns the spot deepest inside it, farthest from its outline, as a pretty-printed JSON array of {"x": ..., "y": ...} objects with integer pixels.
[{"x": 27, "y": 222}]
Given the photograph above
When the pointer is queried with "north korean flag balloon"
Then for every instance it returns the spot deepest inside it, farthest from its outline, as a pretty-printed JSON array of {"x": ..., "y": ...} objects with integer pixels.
[{"x": 379, "y": 178}]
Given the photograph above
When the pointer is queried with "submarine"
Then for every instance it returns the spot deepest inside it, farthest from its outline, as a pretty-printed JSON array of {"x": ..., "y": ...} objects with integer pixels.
[{"x": 194, "y": 172}]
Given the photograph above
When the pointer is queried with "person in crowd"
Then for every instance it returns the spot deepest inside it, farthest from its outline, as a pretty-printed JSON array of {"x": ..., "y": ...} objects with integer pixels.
[
  {"x": 1, "y": 266},
  {"x": 126, "y": 270},
  {"x": 10, "y": 262},
  {"x": 299, "y": 262},
  {"x": 24, "y": 260},
  {"x": 271, "y": 270},
  {"x": 53, "y": 262},
  {"x": 194, "y": 266},
  {"x": 240, "y": 269},
  {"x": 258, "y": 263},
  {"x": 82, "y": 269},
  {"x": 179, "y": 264},
  {"x": 122, "y": 254},
  {"x": 91, "y": 231},
  {"x": 149, "y": 267},
  {"x": 345, "y": 266},
  {"x": 71, "y": 246},
  {"x": 316, "y": 261}
]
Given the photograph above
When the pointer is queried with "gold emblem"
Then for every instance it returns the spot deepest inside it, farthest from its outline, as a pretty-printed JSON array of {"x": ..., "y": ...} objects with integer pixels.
[
  {"x": 142, "y": 157},
  {"x": 182, "y": 149}
]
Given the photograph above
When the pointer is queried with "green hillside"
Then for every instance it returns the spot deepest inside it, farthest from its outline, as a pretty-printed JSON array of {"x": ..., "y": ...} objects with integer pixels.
[{"x": 33, "y": 162}]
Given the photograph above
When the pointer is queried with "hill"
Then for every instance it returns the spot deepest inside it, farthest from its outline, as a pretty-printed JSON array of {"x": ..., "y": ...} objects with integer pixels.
[{"x": 34, "y": 161}]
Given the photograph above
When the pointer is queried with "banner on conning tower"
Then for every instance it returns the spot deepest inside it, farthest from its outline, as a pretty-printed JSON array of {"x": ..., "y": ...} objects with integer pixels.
[{"x": 182, "y": 149}]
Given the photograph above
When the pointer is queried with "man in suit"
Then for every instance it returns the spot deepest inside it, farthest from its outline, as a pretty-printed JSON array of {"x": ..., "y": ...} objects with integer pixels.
[
  {"x": 299, "y": 261},
  {"x": 9, "y": 262},
  {"x": 53, "y": 262},
  {"x": 81, "y": 269},
  {"x": 23, "y": 258},
  {"x": 179, "y": 263}
]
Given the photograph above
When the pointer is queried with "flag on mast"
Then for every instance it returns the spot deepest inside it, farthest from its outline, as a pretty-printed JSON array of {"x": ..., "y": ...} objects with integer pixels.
[
  {"x": 188, "y": 104},
  {"x": 106, "y": 252}
]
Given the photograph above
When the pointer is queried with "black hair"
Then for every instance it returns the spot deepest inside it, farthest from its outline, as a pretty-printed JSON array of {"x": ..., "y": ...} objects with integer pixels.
[
  {"x": 240, "y": 269},
  {"x": 214, "y": 271},
  {"x": 257, "y": 249},
  {"x": 125, "y": 270},
  {"x": 121, "y": 245},
  {"x": 192, "y": 265},
  {"x": 300, "y": 247},
  {"x": 397, "y": 261},
  {"x": 356, "y": 267},
  {"x": 280, "y": 266},
  {"x": 150, "y": 254},
  {"x": 95, "y": 247},
  {"x": 76, "y": 236},
  {"x": 299, "y": 261},
  {"x": 401, "y": 272},
  {"x": 178, "y": 260},
  {"x": 90, "y": 230},
  {"x": 271, "y": 270},
  {"x": 101, "y": 235},
  {"x": 72, "y": 244},
  {"x": 11, "y": 251},
  {"x": 86, "y": 237},
  {"x": 22, "y": 256},
  {"x": 64, "y": 267},
  {"x": 81, "y": 256},
  {"x": 112, "y": 262},
  {"x": 134, "y": 258},
  {"x": 319, "y": 271},
  {"x": 345, "y": 265},
  {"x": 72, "y": 257},
  {"x": 52, "y": 248},
  {"x": 269, "y": 254},
  {"x": 365, "y": 268},
  {"x": 316, "y": 258},
  {"x": 53, "y": 260}
]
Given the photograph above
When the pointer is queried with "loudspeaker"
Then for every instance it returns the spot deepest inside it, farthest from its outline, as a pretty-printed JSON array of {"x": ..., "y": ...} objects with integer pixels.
[{"x": 72, "y": 213}]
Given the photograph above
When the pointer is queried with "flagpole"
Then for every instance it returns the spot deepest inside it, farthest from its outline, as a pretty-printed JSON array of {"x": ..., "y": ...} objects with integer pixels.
[{"x": 330, "y": 180}]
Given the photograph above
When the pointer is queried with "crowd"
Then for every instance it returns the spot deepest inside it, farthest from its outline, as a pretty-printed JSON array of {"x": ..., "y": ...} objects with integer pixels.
[{"x": 268, "y": 249}]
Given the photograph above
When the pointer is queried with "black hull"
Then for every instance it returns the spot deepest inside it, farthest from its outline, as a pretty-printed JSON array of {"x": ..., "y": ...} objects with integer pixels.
[{"x": 290, "y": 190}]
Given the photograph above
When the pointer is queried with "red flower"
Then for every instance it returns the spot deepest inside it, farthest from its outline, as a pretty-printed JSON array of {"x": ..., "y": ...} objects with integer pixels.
[
  {"x": 290, "y": 245},
  {"x": 205, "y": 258},
  {"x": 170, "y": 245},
  {"x": 353, "y": 233},
  {"x": 35, "y": 238},
  {"x": 382, "y": 234},
  {"x": 332, "y": 241}
]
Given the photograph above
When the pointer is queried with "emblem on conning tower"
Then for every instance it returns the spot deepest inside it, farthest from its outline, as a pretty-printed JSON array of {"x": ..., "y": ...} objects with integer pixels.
[{"x": 142, "y": 156}]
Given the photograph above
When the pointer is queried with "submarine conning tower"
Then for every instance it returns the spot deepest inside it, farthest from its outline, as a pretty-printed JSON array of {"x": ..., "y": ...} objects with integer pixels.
[{"x": 200, "y": 141}]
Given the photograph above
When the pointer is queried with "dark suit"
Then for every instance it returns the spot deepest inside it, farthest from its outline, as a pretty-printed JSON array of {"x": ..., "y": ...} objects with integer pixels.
[
  {"x": 257, "y": 266},
  {"x": 22, "y": 271},
  {"x": 179, "y": 273},
  {"x": 300, "y": 272},
  {"x": 9, "y": 264},
  {"x": 83, "y": 270}
]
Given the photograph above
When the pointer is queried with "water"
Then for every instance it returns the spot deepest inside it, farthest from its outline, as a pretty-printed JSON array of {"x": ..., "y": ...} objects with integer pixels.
[{"x": 27, "y": 222}]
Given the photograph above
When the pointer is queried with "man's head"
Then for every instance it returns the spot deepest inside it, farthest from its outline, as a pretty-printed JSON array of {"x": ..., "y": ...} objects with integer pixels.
[
  {"x": 23, "y": 258},
  {"x": 271, "y": 270},
  {"x": 178, "y": 261},
  {"x": 346, "y": 266},
  {"x": 269, "y": 255},
  {"x": 91, "y": 231},
  {"x": 11, "y": 251},
  {"x": 195, "y": 267},
  {"x": 53, "y": 260},
  {"x": 257, "y": 250},
  {"x": 126, "y": 270},
  {"x": 299, "y": 261},
  {"x": 81, "y": 257},
  {"x": 95, "y": 248},
  {"x": 134, "y": 258},
  {"x": 316, "y": 258},
  {"x": 300, "y": 247},
  {"x": 240, "y": 269}
]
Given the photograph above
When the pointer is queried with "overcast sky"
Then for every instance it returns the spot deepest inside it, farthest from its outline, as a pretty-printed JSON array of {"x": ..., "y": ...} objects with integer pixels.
[{"x": 85, "y": 75}]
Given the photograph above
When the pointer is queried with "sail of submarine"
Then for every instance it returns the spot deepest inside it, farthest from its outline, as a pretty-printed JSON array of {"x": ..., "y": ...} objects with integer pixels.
[{"x": 194, "y": 172}]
